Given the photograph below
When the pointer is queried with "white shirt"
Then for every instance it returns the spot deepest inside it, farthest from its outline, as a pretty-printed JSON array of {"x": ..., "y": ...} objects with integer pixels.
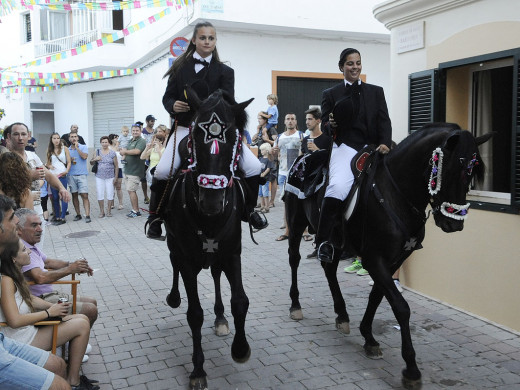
[{"x": 198, "y": 67}]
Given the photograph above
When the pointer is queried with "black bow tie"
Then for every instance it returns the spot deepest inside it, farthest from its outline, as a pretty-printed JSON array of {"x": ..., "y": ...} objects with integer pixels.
[{"x": 202, "y": 62}]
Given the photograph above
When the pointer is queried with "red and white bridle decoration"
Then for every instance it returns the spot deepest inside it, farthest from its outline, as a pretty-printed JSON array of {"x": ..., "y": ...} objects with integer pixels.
[
  {"x": 218, "y": 182},
  {"x": 455, "y": 211},
  {"x": 450, "y": 210}
]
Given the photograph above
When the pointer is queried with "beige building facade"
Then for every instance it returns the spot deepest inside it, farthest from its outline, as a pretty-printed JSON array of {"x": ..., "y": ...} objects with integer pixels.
[{"x": 458, "y": 61}]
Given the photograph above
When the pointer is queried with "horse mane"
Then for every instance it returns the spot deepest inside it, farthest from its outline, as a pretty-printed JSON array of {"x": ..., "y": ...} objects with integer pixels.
[
  {"x": 220, "y": 95},
  {"x": 464, "y": 148},
  {"x": 427, "y": 129}
]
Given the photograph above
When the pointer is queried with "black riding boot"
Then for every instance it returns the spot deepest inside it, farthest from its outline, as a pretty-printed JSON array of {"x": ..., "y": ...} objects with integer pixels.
[
  {"x": 330, "y": 210},
  {"x": 256, "y": 219},
  {"x": 154, "y": 220}
]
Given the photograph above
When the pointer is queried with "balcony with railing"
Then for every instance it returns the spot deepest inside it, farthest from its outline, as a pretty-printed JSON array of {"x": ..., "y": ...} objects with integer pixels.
[
  {"x": 46, "y": 48},
  {"x": 65, "y": 30}
]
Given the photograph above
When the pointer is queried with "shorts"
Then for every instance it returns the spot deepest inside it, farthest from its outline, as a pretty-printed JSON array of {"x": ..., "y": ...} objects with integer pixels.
[
  {"x": 78, "y": 183},
  {"x": 281, "y": 179},
  {"x": 21, "y": 366},
  {"x": 269, "y": 125},
  {"x": 132, "y": 183},
  {"x": 53, "y": 297},
  {"x": 263, "y": 190},
  {"x": 120, "y": 173}
]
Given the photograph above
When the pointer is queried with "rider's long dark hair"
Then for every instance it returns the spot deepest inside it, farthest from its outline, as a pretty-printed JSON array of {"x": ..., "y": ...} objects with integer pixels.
[{"x": 181, "y": 60}]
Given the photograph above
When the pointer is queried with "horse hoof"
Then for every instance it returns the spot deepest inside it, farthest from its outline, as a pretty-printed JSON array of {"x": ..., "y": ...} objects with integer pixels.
[
  {"x": 173, "y": 302},
  {"x": 411, "y": 384},
  {"x": 242, "y": 359},
  {"x": 198, "y": 383},
  {"x": 222, "y": 329},
  {"x": 373, "y": 351},
  {"x": 343, "y": 327},
  {"x": 296, "y": 314}
]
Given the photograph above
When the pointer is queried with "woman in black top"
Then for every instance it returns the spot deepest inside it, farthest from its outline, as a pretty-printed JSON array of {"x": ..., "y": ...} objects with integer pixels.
[{"x": 200, "y": 67}]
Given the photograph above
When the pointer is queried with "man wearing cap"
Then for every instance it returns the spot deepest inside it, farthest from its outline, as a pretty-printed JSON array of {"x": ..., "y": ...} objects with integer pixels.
[{"x": 148, "y": 134}]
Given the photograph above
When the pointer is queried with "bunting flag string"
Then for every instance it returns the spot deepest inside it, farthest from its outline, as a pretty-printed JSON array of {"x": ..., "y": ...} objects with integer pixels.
[
  {"x": 94, "y": 44},
  {"x": 7, "y": 6},
  {"x": 50, "y": 79},
  {"x": 28, "y": 89}
]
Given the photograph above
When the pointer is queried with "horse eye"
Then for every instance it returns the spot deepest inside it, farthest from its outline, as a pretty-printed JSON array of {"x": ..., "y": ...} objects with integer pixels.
[{"x": 215, "y": 129}]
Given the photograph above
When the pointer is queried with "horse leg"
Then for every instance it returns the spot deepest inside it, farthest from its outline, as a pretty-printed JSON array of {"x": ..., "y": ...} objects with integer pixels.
[
  {"x": 384, "y": 285},
  {"x": 240, "y": 349},
  {"x": 221, "y": 324},
  {"x": 296, "y": 223},
  {"x": 195, "y": 316},
  {"x": 340, "y": 308},
  {"x": 173, "y": 299},
  {"x": 371, "y": 346}
]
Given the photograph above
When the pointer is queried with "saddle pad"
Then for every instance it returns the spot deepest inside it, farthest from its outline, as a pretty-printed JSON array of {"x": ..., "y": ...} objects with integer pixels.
[{"x": 307, "y": 174}]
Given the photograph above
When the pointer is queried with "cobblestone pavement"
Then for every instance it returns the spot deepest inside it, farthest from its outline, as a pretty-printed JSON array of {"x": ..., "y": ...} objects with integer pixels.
[{"x": 141, "y": 343}]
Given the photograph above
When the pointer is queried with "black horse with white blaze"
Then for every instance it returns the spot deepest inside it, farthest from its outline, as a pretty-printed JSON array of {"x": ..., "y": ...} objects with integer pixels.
[{"x": 203, "y": 220}]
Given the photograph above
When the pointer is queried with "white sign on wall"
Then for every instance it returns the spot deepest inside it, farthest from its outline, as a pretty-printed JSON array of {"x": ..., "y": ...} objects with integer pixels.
[
  {"x": 410, "y": 37},
  {"x": 212, "y": 6}
]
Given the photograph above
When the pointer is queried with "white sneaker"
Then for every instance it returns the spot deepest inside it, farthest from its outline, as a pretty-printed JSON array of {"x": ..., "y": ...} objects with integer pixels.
[
  {"x": 398, "y": 285},
  {"x": 89, "y": 349},
  {"x": 85, "y": 359},
  {"x": 371, "y": 283}
]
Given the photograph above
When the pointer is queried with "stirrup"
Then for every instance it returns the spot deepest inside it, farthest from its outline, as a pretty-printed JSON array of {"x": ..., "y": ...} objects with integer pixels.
[
  {"x": 149, "y": 224},
  {"x": 326, "y": 252},
  {"x": 257, "y": 221}
]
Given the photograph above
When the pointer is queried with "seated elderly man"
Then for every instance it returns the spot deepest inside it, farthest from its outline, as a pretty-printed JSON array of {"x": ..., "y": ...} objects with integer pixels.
[{"x": 43, "y": 270}]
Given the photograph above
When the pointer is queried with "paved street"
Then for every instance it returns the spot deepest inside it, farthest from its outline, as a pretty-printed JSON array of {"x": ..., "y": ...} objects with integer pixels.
[{"x": 141, "y": 343}]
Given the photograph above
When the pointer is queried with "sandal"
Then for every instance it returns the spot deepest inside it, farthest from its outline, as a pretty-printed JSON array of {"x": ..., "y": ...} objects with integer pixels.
[
  {"x": 282, "y": 237},
  {"x": 271, "y": 204},
  {"x": 110, "y": 214},
  {"x": 307, "y": 237},
  {"x": 120, "y": 207},
  {"x": 102, "y": 215}
]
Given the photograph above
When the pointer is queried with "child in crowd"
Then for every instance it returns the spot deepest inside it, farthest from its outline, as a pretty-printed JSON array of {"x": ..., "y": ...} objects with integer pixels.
[
  {"x": 272, "y": 111},
  {"x": 267, "y": 165},
  {"x": 124, "y": 139}
]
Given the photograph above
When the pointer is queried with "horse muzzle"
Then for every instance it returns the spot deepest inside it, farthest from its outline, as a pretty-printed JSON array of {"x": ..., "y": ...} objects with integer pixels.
[{"x": 212, "y": 202}]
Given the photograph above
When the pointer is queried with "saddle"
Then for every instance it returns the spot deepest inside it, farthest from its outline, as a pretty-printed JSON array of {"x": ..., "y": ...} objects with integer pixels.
[{"x": 361, "y": 165}]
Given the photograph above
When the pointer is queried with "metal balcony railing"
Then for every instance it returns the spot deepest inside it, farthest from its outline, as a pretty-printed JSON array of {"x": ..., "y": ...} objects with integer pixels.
[{"x": 66, "y": 43}]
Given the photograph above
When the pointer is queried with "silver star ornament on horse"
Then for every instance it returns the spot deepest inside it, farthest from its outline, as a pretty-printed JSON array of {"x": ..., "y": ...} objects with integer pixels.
[{"x": 214, "y": 129}]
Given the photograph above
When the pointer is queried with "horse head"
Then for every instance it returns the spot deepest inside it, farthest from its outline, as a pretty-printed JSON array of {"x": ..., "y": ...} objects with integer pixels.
[
  {"x": 453, "y": 167},
  {"x": 216, "y": 141}
]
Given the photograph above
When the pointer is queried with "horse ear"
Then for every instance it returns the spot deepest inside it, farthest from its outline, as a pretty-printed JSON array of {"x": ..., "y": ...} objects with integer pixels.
[
  {"x": 484, "y": 138},
  {"x": 242, "y": 106},
  {"x": 192, "y": 97},
  {"x": 452, "y": 141}
]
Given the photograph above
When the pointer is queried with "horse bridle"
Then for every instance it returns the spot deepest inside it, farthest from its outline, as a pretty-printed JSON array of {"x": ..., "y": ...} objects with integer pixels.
[{"x": 449, "y": 210}]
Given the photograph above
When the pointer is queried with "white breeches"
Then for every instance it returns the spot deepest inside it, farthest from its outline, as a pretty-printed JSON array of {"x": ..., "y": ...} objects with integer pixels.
[
  {"x": 341, "y": 177},
  {"x": 248, "y": 162}
]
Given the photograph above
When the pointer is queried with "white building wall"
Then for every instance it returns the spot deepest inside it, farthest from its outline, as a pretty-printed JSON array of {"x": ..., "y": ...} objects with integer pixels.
[{"x": 439, "y": 26}]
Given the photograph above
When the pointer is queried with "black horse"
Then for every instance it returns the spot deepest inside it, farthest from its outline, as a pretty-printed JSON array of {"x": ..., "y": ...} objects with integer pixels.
[
  {"x": 203, "y": 220},
  {"x": 433, "y": 166},
  {"x": 302, "y": 211}
]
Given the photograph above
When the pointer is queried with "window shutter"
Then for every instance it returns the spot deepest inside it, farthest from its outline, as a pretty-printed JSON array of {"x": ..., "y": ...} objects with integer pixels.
[
  {"x": 422, "y": 87},
  {"x": 515, "y": 185}
]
